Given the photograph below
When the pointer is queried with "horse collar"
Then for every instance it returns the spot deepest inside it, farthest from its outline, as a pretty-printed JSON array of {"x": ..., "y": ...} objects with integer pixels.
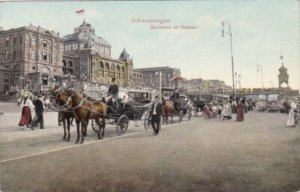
[{"x": 79, "y": 105}]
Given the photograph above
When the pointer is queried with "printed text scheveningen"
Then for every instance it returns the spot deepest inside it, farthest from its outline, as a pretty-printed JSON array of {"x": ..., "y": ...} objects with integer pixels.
[{"x": 142, "y": 20}]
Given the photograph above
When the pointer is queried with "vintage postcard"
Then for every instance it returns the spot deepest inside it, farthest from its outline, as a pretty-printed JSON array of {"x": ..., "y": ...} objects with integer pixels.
[{"x": 134, "y": 96}]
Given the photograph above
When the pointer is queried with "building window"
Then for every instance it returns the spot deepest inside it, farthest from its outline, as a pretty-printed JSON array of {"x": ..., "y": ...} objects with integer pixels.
[
  {"x": 14, "y": 55},
  {"x": 20, "y": 40},
  {"x": 7, "y": 42},
  {"x": 54, "y": 58},
  {"x": 33, "y": 41},
  {"x": 107, "y": 66},
  {"x": 44, "y": 56},
  {"x": 75, "y": 46},
  {"x": 64, "y": 67},
  {"x": 33, "y": 55},
  {"x": 33, "y": 68},
  {"x": 6, "y": 55},
  {"x": 45, "y": 45},
  {"x": 15, "y": 40},
  {"x": 101, "y": 65}
]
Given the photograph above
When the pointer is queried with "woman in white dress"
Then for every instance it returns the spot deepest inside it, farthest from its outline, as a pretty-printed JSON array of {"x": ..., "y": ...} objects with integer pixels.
[
  {"x": 227, "y": 111},
  {"x": 291, "y": 120}
]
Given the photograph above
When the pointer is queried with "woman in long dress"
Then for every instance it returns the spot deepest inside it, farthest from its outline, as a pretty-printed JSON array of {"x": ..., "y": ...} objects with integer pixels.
[
  {"x": 27, "y": 106},
  {"x": 240, "y": 111},
  {"x": 291, "y": 120}
]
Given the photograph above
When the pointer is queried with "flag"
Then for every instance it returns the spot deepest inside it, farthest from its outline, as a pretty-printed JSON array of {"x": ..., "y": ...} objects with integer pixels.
[{"x": 79, "y": 12}]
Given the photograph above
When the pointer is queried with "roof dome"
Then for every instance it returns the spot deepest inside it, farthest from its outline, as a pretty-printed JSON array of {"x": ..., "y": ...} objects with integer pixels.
[{"x": 124, "y": 55}]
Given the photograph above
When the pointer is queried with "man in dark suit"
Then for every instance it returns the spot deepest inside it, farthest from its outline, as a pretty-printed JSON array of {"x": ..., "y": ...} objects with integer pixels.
[
  {"x": 113, "y": 89},
  {"x": 39, "y": 111},
  {"x": 156, "y": 113}
]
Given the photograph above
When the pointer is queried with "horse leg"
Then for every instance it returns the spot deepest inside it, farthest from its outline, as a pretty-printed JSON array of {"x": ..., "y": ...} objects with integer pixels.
[
  {"x": 64, "y": 126},
  {"x": 68, "y": 126},
  {"x": 100, "y": 127},
  {"x": 83, "y": 127},
  {"x": 103, "y": 128},
  {"x": 78, "y": 133},
  {"x": 85, "y": 130}
]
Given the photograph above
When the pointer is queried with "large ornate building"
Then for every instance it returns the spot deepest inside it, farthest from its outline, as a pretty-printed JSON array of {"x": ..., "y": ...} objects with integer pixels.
[
  {"x": 29, "y": 57},
  {"x": 150, "y": 76},
  {"x": 88, "y": 56}
]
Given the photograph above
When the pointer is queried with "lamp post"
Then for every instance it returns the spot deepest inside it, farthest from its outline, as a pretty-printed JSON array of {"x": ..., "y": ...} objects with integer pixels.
[
  {"x": 232, "y": 64},
  {"x": 159, "y": 82},
  {"x": 259, "y": 69}
]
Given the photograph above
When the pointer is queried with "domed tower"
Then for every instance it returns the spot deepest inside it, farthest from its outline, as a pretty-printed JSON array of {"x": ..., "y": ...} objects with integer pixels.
[
  {"x": 124, "y": 56},
  {"x": 283, "y": 76}
]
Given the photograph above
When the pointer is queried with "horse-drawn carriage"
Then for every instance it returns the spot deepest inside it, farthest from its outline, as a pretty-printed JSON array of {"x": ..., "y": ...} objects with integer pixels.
[
  {"x": 71, "y": 104},
  {"x": 120, "y": 113},
  {"x": 180, "y": 106}
]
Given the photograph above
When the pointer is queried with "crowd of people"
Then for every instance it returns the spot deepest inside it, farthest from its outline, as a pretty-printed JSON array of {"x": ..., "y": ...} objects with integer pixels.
[
  {"x": 240, "y": 106},
  {"x": 224, "y": 110}
]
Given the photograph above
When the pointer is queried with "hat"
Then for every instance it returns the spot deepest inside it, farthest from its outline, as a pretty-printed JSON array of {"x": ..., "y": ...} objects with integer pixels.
[
  {"x": 27, "y": 94},
  {"x": 156, "y": 97}
]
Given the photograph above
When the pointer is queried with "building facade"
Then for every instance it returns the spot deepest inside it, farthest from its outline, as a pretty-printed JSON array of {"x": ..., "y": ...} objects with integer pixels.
[
  {"x": 88, "y": 56},
  {"x": 138, "y": 78},
  {"x": 151, "y": 76},
  {"x": 32, "y": 55}
]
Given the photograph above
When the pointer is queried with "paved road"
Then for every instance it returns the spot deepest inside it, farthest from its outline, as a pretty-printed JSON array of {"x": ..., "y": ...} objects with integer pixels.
[{"x": 259, "y": 154}]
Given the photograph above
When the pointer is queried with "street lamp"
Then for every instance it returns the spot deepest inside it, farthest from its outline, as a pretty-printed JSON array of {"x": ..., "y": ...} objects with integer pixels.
[
  {"x": 232, "y": 65},
  {"x": 159, "y": 81},
  {"x": 259, "y": 67}
]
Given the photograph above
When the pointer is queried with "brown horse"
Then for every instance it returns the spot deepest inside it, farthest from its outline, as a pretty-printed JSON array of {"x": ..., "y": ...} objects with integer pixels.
[
  {"x": 168, "y": 110},
  {"x": 65, "y": 116},
  {"x": 84, "y": 110}
]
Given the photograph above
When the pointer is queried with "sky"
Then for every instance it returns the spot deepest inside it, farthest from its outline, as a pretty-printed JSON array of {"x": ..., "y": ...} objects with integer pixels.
[{"x": 262, "y": 31}]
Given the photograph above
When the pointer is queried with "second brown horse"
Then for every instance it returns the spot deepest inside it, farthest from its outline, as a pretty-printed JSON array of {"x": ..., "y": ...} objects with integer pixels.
[{"x": 85, "y": 110}]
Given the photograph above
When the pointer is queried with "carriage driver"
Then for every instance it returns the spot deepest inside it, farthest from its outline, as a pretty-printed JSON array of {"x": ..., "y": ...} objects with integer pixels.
[
  {"x": 113, "y": 89},
  {"x": 175, "y": 97},
  {"x": 113, "y": 92}
]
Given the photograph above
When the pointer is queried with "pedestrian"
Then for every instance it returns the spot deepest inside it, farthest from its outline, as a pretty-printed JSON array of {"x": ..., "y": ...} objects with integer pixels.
[
  {"x": 291, "y": 120},
  {"x": 19, "y": 101},
  {"x": 207, "y": 112},
  {"x": 227, "y": 111},
  {"x": 27, "y": 106},
  {"x": 240, "y": 111},
  {"x": 156, "y": 113},
  {"x": 39, "y": 112}
]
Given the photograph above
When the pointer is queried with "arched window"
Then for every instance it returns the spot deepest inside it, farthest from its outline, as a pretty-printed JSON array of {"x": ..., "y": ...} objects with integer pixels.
[
  {"x": 107, "y": 66},
  {"x": 123, "y": 69},
  {"x": 70, "y": 67},
  {"x": 64, "y": 67},
  {"x": 118, "y": 67},
  {"x": 112, "y": 67},
  {"x": 101, "y": 65}
]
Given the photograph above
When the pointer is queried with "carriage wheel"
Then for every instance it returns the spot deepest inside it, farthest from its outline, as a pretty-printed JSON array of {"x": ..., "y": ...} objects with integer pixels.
[
  {"x": 95, "y": 126},
  {"x": 122, "y": 125},
  {"x": 180, "y": 115},
  {"x": 147, "y": 122}
]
